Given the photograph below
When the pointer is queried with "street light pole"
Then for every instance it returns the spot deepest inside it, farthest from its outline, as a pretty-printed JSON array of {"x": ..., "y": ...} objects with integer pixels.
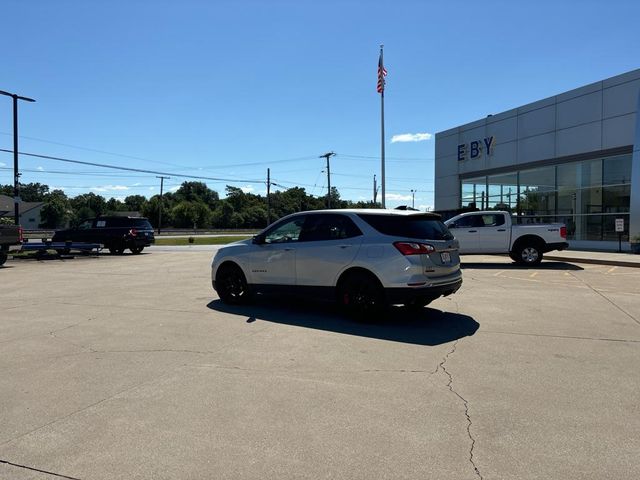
[
  {"x": 413, "y": 199},
  {"x": 16, "y": 174}
]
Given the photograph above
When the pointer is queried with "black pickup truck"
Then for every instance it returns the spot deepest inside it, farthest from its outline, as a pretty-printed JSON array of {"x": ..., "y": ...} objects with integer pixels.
[
  {"x": 115, "y": 233},
  {"x": 10, "y": 235}
]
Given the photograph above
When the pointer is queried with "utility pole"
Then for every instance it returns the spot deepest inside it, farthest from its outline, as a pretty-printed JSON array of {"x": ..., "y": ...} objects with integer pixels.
[
  {"x": 160, "y": 206},
  {"x": 375, "y": 190},
  {"x": 268, "y": 196},
  {"x": 327, "y": 156},
  {"x": 413, "y": 199},
  {"x": 16, "y": 173}
]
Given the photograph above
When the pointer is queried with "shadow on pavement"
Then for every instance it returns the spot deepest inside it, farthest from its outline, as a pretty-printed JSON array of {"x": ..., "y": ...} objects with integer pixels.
[
  {"x": 545, "y": 265},
  {"x": 428, "y": 326}
]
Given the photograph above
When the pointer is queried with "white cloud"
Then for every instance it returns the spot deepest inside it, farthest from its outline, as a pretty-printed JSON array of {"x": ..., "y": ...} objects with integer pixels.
[
  {"x": 247, "y": 188},
  {"x": 425, "y": 208},
  {"x": 397, "y": 197},
  {"x": 110, "y": 188},
  {"x": 174, "y": 189},
  {"x": 3, "y": 164},
  {"x": 411, "y": 137},
  {"x": 136, "y": 184},
  {"x": 40, "y": 169}
]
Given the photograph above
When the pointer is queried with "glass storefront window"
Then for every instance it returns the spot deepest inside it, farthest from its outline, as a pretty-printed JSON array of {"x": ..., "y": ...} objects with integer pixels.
[
  {"x": 586, "y": 196},
  {"x": 537, "y": 197},
  {"x": 474, "y": 193},
  {"x": 503, "y": 192}
]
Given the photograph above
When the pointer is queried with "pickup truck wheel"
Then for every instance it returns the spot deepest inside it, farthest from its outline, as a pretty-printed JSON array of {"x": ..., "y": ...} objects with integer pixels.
[
  {"x": 116, "y": 250},
  {"x": 529, "y": 254},
  {"x": 231, "y": 285},
  {"x": 3, "y": 257},
  {"x": 362, "y": 297}
]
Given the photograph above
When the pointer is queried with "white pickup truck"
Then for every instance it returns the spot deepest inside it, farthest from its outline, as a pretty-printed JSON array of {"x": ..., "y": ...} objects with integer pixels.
[{"x": 493, "y": 232}]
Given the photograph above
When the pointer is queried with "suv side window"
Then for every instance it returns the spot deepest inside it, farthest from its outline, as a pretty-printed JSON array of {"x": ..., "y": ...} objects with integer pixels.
[
  {"x": 285, "y": 232},
  {"x": 87, "y": 224},
  {"x": 332, "y": 226}
]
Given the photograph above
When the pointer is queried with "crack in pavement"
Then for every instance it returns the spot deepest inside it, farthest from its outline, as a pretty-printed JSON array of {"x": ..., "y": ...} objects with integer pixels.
[
  {"x": 564, "y": 337},
  {"x": 17, "y": 465},
  {"x": 464, "y": 401},
  {"x": 606, "y": 298}
]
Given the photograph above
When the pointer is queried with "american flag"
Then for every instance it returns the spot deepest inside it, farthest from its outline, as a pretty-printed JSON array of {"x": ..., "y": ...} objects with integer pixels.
[{"x": 382, "y": 72}]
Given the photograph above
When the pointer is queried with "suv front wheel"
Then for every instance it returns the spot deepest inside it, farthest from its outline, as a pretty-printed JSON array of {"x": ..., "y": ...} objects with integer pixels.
[{"x": 231, "y": 284}]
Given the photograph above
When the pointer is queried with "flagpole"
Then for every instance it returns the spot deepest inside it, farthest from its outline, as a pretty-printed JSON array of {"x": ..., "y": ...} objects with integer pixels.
[{"x": 382, "y": 134}]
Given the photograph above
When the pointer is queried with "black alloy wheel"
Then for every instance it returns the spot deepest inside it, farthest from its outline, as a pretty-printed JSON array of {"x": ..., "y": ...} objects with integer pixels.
[
  {"x": 362, "y": 296},
  {"x": 231, "y": 285},
  {"x": 136, "y": 250}
]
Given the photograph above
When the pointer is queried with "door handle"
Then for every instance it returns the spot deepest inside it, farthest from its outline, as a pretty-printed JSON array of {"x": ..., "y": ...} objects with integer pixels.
[
  {"x": 289, "y": 249},
  {"x": 344, "y": 246},
  {"x": 501, "y": 230},
  {"x": 473, "y": 231}
]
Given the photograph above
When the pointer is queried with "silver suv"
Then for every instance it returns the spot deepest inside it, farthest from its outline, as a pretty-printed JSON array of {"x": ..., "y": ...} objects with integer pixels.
[{"x": 364, "y": 259}]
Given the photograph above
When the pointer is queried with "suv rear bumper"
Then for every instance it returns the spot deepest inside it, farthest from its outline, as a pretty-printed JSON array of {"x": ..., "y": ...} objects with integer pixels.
[{"x": 408, "y": 294}]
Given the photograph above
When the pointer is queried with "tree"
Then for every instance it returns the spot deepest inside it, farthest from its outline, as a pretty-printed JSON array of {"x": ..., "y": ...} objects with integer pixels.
[
  {"x": 115, "y": 205},
  {"x": 135, "y": 202},
  {"x": 197, "y": 191},
  {"x": 88, "y": 205},
  {"x": 33, "y": 192},
  {"x": 191, "y": 215},
  {"x": 56, "y": 211}
]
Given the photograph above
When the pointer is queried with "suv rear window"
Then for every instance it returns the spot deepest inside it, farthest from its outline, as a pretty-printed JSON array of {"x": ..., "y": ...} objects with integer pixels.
[
  {"x": 412, "y": 226},
  {"x": 139, "y": 223}
]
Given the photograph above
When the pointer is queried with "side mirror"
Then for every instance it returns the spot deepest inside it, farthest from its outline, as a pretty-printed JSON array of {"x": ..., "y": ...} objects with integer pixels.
[
  {"x": 451, "y": 225},
  {"x": 258, "y": 240}
]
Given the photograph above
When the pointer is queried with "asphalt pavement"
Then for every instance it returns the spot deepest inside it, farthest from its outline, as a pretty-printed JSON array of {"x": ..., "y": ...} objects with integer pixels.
[{"x": 130, "y": 367}]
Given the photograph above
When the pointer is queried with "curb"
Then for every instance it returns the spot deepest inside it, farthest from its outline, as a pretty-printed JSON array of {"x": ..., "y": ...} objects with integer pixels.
[{"x": 594, "y": 261}]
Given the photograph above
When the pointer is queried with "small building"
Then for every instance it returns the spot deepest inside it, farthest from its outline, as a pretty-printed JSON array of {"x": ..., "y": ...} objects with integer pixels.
[
  {"x": 29, "y": 212},
  {"x": 571, "y": 158}
]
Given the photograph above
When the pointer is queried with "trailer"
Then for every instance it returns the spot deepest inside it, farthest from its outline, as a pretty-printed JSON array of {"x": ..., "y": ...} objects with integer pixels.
[{"x": 61, "y": 248}]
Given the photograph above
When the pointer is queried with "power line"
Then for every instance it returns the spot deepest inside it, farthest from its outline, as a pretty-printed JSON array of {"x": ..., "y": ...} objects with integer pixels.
[
  {"x": 130, "y": 169},
  {"x": 95, "y": 150}
]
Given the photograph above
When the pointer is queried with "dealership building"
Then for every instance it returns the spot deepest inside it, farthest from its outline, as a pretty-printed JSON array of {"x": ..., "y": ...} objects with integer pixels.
[{"x": 572, "y": 158}]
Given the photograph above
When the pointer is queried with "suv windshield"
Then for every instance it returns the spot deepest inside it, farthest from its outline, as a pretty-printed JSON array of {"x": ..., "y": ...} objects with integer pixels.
[{"x": 425, "y": 227}]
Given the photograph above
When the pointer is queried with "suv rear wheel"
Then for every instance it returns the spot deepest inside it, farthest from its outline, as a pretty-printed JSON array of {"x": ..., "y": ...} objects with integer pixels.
[
  {"x": 136, "y": 250},
  {"x": 362, "y": 296}
]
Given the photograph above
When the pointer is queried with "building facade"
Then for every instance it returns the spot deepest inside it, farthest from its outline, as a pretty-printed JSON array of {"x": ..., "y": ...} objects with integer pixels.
[{"x": 572, "y": 158}]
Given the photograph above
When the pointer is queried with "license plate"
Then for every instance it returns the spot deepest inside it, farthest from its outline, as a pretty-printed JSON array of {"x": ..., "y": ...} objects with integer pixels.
[{"x": 445, "y": 257}]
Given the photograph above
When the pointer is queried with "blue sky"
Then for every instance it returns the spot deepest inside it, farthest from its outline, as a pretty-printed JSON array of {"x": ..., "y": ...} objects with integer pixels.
[{"x": 227, "y": 89}]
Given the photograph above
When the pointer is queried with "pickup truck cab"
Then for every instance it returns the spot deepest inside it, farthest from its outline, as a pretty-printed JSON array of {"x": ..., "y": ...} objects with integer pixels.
[
  {"x": 491, "y": 232},
  {"x": 10, "y": 236}
]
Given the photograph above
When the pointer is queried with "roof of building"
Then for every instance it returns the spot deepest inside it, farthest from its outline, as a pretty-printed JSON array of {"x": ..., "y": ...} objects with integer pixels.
[{"x": 7, "y": 206}]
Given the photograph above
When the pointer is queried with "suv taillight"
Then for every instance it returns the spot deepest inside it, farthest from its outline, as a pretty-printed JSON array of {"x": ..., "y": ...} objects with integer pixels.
[
  {"x": 133, "y": 232},
  {"x": 563, "y": 232},
  {"x": 414, "y": 248},
  {"x": 20, "y": 235}
]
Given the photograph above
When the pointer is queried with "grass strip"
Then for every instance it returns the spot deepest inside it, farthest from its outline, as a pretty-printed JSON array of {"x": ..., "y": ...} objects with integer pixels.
[{"x": 200, "y": 240}]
